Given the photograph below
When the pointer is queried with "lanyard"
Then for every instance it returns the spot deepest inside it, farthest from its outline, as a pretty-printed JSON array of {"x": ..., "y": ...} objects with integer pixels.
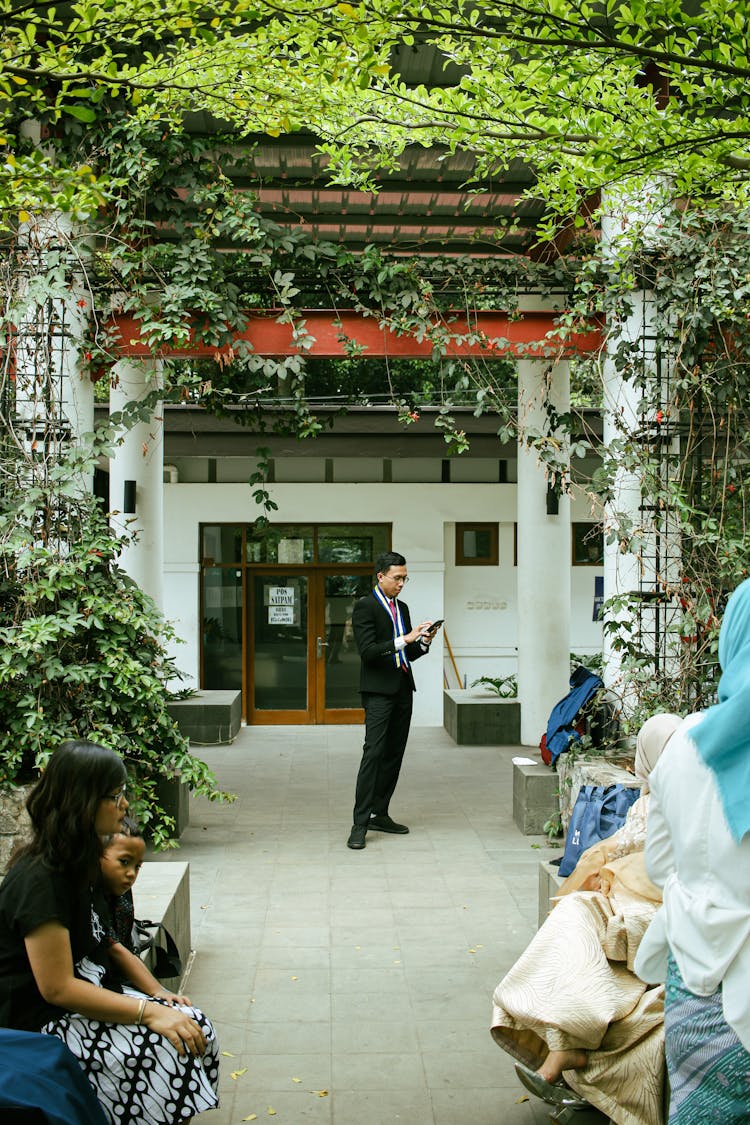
[{"x": 398, "y": 624}]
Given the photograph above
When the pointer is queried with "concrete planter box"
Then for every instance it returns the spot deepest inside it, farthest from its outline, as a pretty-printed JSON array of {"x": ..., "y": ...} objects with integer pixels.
[
  {"x": 481, "y": 719},
  {"x": 174, "y": 798},
  {"x": 208, "y": 718}
]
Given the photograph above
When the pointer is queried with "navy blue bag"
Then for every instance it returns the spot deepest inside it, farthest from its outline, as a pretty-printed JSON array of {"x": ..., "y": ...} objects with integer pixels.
[{"x": 598, "y": 812}]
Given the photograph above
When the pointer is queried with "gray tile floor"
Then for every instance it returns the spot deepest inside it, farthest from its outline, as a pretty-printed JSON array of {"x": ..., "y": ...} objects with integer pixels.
[{"x": 354, "y": 988}]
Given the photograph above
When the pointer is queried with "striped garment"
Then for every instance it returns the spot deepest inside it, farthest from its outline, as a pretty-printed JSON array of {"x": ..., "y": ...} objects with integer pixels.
[{"x": 709, "y": 1069}]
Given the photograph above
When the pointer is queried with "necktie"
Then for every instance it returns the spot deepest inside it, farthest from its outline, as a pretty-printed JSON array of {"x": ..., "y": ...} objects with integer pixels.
[{"x": 401, "y": 659}]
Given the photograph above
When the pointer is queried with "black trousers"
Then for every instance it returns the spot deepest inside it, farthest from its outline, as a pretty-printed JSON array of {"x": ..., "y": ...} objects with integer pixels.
[{"x": 387, "y": 720}]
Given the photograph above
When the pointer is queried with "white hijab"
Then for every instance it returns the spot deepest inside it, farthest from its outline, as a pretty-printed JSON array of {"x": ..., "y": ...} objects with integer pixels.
[{"x": 652, "y": 738}]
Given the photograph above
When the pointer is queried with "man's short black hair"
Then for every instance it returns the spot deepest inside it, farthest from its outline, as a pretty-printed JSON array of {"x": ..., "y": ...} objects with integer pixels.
[{"x": 387, "y": 559}]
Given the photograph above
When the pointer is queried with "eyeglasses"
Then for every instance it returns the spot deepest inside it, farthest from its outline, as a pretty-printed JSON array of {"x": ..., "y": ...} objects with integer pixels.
[
  {"x": 118, "y": 797},
  {"x": 395, "y": 578}
]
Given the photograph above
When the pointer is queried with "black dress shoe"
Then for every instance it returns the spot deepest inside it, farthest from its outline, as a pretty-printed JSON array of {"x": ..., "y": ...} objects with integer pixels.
[
  {"x": 385, "y": 824},
  {"x": 357, "y": 837}
]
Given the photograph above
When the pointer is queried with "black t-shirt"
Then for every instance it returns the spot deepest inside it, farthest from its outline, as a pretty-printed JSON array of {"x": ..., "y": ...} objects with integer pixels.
[{"x": 30, "y": 895}]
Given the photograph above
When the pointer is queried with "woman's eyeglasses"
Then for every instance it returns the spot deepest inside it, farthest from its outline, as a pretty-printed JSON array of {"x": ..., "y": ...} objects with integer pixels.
[{"x": 117, "y": 797}]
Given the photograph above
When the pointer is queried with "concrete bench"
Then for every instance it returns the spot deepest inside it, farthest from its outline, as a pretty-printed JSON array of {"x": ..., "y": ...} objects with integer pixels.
[
  {"x": 550, "y": 881},
  {"x": 474, "y": 719},
  {"x": 162, "y": 894},
  {"x": 208, "y": 718},
  {"x": 535, "y": 797}
]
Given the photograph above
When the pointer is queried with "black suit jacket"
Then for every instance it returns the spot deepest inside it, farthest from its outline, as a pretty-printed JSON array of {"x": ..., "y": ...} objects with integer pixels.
[{"x": 373, "y": 634}]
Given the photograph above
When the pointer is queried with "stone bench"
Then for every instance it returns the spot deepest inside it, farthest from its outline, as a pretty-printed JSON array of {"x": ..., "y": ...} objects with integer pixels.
[
  {"x": 535, "y": 797},
  {"x": 550, "y": 881},
  {"x": 481, "y": 719},
  {"x": 162, "y": 894},
  {"x": 208, "y": 718}
]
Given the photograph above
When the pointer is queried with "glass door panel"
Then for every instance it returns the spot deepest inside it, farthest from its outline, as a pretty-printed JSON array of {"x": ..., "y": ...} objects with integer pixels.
[
  {"x": 340, "y": 592},
  {"x": 222, "y": 627},
  {"x": 280, "y": 643}
]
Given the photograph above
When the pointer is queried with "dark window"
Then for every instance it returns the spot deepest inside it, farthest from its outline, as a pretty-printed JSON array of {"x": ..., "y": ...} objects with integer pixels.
[{"x": 477, "y": 544}]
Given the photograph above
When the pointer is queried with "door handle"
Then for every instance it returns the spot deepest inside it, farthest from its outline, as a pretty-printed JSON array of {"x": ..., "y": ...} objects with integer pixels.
[{"x": 321, "y": 645}]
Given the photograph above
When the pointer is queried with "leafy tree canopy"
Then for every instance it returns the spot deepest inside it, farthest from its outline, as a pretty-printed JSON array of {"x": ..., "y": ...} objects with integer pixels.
[{"x": 588, "y": 94}]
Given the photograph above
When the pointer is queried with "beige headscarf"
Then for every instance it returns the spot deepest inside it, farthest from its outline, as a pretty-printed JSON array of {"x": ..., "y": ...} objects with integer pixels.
[{"x": 652, "y": 738}]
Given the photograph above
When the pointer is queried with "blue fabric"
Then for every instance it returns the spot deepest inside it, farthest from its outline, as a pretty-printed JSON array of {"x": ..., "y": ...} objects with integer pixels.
[
  {"x": 597, "y": 814},
  {"x": 39, "y": 1072},
  {"x": 723, "y": 735},
  {"x": 560, "y": 729}
]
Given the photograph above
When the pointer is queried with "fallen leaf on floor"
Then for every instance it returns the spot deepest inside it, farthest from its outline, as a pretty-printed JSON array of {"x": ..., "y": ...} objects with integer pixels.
[
  {"x": 523, "y": 1098},
  {"x": 228, "y": 1055},
  {"x": 294, "y": 978},
  {"x": 271, "y": 1111},
  {"x": 296, "y": 1080},
  {"x": 396, "y": 962},
  {"x": 472, "y": 951},
  {"x": 251, "y": 1117},
  {"x": 238, "y": 1073},
  {"x": 320, "y": 1093}
]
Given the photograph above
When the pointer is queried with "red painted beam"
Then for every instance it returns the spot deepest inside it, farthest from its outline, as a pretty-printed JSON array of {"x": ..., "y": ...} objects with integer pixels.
[{"x": 493, "y": 334}]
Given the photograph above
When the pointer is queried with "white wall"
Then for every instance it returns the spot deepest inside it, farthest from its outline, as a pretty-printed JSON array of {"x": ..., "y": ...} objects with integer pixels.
[{"x": 478, "y": 603}]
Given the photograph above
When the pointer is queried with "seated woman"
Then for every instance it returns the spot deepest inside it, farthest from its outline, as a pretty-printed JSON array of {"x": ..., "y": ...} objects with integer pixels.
[
  {"x": 151, "y": 1061},
  {"x": 571, "y": 1003}
]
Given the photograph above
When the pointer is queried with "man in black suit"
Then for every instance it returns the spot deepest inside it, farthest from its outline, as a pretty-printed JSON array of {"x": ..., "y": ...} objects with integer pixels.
[{"x": 387, "y": 646}]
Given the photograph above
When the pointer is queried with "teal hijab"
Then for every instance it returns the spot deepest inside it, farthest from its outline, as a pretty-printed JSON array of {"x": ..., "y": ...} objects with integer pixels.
[{"x": 723, "y": 735}]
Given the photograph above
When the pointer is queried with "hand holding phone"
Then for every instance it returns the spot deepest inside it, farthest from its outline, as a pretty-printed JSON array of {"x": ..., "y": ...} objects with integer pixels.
[{"x": 435, "y": 626}]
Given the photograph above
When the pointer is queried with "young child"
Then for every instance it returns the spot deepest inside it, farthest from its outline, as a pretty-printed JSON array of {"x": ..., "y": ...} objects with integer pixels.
[{"x": 120, "y": 863}]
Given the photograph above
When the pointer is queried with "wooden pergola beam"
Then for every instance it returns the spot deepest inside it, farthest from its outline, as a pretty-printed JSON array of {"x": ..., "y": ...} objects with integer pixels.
[{"x": 488, "y": 335}]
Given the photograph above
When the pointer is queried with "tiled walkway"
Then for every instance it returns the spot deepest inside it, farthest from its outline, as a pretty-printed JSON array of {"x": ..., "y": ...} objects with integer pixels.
[{"x": 353, "y": 988}]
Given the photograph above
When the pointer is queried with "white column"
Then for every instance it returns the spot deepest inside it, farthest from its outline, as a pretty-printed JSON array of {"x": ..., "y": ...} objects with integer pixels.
[
  {"x": 628, "y": 219},
  {"x": 139, "y": 457},
  {"x": 544, "y": 561},
  {"x": 622, "y": 569}
]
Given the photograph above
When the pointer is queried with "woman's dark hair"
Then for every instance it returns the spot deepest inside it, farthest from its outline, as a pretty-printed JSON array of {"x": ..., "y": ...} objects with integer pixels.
[
  {"x": 63, "y": 804},
  {"x": 386, "y": 560}
]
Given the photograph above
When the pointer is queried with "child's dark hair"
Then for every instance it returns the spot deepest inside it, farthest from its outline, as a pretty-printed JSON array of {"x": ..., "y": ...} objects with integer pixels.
[{"x": 129, "y": 828}]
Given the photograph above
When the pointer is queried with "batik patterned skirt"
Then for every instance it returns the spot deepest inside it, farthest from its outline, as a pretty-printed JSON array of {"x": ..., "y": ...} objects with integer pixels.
[
  {"x": 137, "y": 1074},
  {"x": 709, "y": 1069}
]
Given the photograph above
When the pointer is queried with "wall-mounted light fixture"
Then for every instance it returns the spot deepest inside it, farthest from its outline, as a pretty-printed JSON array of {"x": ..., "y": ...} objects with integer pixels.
[{"x": 128, "y": 497}]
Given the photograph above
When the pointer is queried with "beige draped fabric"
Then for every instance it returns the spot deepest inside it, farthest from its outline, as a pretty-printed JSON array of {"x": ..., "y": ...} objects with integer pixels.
[{"x": 574, "y": 987}]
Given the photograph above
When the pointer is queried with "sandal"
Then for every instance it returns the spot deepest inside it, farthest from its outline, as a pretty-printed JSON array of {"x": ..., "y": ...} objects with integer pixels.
[{"x": 553, "y": 1093}]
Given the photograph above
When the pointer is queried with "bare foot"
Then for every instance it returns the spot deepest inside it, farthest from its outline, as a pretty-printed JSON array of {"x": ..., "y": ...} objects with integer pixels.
[{"x": 558, "y": 1061}]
